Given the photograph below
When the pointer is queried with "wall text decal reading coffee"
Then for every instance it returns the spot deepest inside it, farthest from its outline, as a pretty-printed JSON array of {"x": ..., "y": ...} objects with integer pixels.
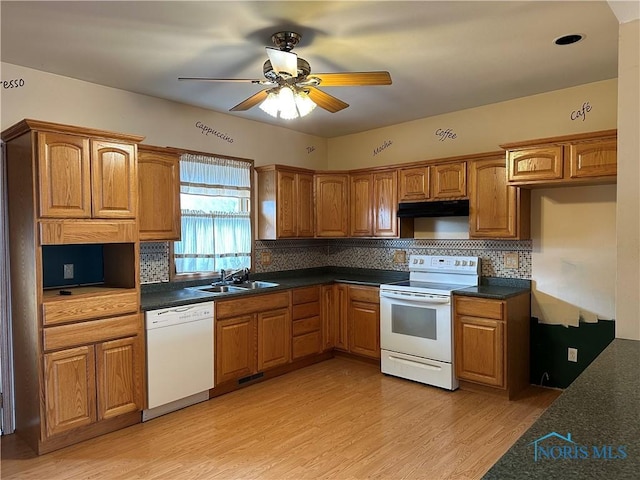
[
  {"x": 445, "y": 134},
  {"x": 14, "y": 83},
  {"x": 386, "y": 144},
  {"x": 581, "y": 113},
  {"x": 206, "y": 130}
]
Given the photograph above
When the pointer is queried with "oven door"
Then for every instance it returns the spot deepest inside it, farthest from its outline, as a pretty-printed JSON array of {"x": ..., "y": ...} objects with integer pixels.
[{"x": 416, "y": 324}]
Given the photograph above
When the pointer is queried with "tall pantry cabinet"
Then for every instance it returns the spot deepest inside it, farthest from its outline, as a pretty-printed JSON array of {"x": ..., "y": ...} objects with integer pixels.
[{"x": 78, "y": 335}]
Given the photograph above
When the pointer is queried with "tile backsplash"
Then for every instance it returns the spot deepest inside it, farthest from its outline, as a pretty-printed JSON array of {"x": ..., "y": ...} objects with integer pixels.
[{"x": 277, "y": 255}]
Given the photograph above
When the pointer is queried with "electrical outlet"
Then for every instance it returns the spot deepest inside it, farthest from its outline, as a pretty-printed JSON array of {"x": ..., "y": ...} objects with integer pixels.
[
  {"x": 67, "y": 271},
  {"x": 572, "y": 354},
  {"x": 399, "y": 256},
  {"x": 511, "y": 260}
]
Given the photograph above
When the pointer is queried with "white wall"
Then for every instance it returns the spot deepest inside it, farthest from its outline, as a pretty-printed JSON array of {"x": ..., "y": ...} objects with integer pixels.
[
  {"x": 628, "y": 227},
  {"x": 59, "y": 99}
]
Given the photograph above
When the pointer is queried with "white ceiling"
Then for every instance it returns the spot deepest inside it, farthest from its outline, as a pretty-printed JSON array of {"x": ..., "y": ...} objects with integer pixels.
[{"x": 442, "y": 56}]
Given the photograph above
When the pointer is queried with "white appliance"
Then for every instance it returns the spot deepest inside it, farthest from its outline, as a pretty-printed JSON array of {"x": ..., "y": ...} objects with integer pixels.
[
  {"x": 179, "y": 357},
  {"x": 416, "y": 325}
]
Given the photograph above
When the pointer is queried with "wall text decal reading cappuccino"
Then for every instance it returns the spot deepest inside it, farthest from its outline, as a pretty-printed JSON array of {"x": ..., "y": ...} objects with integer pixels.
[
  {"x": 445, "y": 134},
  {"x": 581, "y": 113},
  {"x": 206, "y": 130},
  {"x": 13, "y": 83},
  {"x": 386, "y": 144}
]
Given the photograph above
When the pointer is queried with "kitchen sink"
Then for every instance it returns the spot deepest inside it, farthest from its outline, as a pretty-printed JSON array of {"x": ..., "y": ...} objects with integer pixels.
[{"x": 236, "y": 287}]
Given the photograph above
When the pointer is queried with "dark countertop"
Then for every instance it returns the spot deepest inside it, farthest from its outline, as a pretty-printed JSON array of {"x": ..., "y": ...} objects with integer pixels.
[
  {"x": 600, "y": 414},
  {"x": 166, "y": 295},
  {"x": 497, "y": 288}
]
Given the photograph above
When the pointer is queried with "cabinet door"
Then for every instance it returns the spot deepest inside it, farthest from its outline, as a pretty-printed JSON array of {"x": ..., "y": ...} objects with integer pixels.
[
  {"x": 544, "y": 163},
  {"x": 361, "y": 224},
  {"x": 593, "y": 159},
  {"x": 479, "y": 350},
  {"x": 305, "y": 210},
  {"x": 364, "y": 328},
  {"x": 414, "y": 184},
  {"x": 235, "y": 348},
  {"x": 64, "y": 176},
  {"x": 493, "y": 205},
  {"x": 449, "y": 180},
  {"x": 340, "y": 325},
  {"x": 159, "y": 194},
  {"x": 114, "y": 180},
  {"x": 385, "y": 204},
  {"x": 329, "y": 312},
  {"x": 119, "y": 377},
  {"x": 286, "y": 203},
  {"x": 274, "y": 338},
  {"x": 332, "y": 205},
  {"x": 70, "y": 389}
]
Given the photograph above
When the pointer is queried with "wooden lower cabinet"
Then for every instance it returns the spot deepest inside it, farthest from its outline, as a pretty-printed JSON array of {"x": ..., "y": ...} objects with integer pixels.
[
  {"x": 235, "y": 348},
  {"x": 90, "y": 383},
  {"x": 363, "y": 318},
  {"x": 252, "y": 334},
  {"x": 306, "y": 319},
  {"x": 491, "y": 343}
]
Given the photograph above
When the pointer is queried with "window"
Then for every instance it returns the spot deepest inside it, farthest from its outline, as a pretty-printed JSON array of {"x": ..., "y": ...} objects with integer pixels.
[{"x": 215, "y": 197}]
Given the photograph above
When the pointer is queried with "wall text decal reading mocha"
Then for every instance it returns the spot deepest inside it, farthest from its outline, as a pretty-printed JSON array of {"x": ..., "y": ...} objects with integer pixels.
[{"x": 206, "y": 130}]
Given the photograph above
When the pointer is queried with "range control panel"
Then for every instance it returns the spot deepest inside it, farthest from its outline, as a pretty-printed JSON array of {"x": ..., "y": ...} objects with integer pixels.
[{"x": 437, "y": 263}]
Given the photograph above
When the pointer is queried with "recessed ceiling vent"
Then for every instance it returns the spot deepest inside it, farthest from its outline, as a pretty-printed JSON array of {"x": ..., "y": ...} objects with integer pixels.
[{"x": 568, "y": 39}]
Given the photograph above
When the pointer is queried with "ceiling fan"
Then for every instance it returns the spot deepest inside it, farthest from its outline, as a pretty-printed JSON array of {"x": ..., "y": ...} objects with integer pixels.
[{"x": 285, "y": 69}]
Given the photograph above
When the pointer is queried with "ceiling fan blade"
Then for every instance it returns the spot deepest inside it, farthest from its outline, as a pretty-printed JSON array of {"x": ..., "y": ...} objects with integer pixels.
[
  {"x": 283, "y": 62},
  {"x": 326, "y": 101},
  {"x": 208, "y": 79},
  {"x": 252, "y": 101},
  {"x": 352, "y": 79}
]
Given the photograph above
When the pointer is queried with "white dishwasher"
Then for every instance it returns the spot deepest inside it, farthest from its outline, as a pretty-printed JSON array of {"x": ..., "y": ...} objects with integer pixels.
[{"x": 179, "y": 357}]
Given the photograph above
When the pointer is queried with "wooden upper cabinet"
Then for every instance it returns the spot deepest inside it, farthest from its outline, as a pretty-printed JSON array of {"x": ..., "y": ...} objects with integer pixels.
[
  {"x": 285, "y": 203},
  {"x": 496, "y": 210},
  {"x": 535, "y": 164},
  {"x": 593, "y": 159},
  {"x": 64, "y": 175},
  {"x": 374, "y": 204},
  {"x": 159, "y": 194},
  {"x": 587, "y": 159},
  {"x": 414, "y": 184},
  {"x": 332, "y": 205},
  {"x": 449, "y": 180},
  {"x": 80, "y": 177}
]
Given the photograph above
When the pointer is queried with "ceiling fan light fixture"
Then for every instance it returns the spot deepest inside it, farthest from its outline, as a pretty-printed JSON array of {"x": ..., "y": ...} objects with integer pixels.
[{"x": 287, "y": 103}]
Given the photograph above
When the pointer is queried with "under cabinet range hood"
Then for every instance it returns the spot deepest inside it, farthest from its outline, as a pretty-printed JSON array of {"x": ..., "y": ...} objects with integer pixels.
[{"x": 440, "y": 208}]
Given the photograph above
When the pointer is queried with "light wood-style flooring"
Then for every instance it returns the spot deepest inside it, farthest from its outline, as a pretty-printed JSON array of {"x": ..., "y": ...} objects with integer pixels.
[{"x": 339, "y": 419}]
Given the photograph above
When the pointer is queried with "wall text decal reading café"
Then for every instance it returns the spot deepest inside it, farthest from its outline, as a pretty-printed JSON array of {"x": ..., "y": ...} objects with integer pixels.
[
  {"x": 206, "y": 130},
  {"x": 581, "y": 113}
]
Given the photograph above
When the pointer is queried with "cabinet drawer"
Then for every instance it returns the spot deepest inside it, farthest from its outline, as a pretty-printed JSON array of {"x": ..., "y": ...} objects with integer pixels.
[
  {"x": 305, "y": 295},
  {"x": 364, "y": 294},
  {"x": 307, "y": 344},
  {"x": 74, "y": 309},
  {"x": 479, "y": 307},
  {"x": 84, "y": 333},
  {"x": 250, "y": 304},
  {"x": 305, "y": 310},
  {"x": 306, "y": 325},
  {"x": 61, "y": 232}
]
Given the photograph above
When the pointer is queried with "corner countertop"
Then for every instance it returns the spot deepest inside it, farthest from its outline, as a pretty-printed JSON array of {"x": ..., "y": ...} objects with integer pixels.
[
  {"x": 157, "y": 296},
  {"x": 592, "y": 430},
  {"x": 497, "y": 288}
]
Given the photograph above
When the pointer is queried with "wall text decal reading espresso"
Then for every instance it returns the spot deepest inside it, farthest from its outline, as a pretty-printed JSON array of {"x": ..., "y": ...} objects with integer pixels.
[
  {"x": 14, "y": 83},
  {"x": 379, "y": 149},
  {"x": 445, "y": 134},
  {"x": 311, "y": 149},
  {"x": 581, "y": 113},
  {"x": 205, "y": 130}
]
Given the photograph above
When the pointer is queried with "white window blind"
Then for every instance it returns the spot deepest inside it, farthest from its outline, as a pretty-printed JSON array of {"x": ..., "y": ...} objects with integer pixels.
[{"x": 215, "y": 196}]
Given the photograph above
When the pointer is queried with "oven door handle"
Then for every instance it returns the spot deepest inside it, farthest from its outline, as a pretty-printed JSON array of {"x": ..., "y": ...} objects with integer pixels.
[{"x": 418, "y": 297}]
